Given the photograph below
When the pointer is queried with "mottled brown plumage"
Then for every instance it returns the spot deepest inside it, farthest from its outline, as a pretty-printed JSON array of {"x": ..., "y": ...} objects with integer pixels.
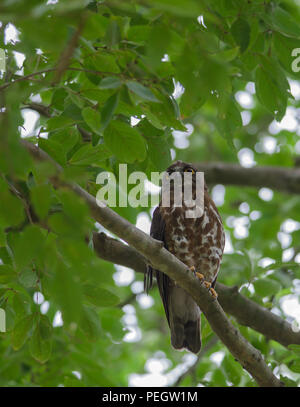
[{"x": 197, "y": 242}]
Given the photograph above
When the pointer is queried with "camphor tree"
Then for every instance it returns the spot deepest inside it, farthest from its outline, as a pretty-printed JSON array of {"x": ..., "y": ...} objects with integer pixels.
[{"x": 88, "y": 85}]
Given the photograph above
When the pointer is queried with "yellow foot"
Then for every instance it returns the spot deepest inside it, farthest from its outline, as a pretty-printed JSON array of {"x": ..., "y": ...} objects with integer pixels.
[
  {"x": 200, "y": 276},
  {"x": 207, "y": 284},
  {"x": 213, "y": 292},
  {"x": 210, "y": 289}
]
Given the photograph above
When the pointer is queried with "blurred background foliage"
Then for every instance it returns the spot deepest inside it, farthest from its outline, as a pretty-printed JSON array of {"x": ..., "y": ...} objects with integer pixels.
[{"x": 99, "y": 83}]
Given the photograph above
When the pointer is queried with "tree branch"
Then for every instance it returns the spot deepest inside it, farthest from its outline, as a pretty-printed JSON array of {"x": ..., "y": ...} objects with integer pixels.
[
  {"x": 279, "y": 178},
  {"x": 282, "y": 179},
  {"x": 161, "y": 259},
  {"x": 65, "y": 58},
  {"x": 246, "y": 312},
  {"x": 48, "y": 70}
]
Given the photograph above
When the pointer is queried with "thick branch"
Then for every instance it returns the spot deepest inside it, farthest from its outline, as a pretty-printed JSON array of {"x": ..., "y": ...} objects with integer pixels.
[
  {"x": 247, "y": 312},
  {"x": 161, "y": 259},
  {"x": 278, "y": 178}
]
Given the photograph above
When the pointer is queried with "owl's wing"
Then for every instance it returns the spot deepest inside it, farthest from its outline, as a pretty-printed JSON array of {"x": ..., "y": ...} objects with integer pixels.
[
  {"x": 157, "y": 231},
  {"x": 183, "y": 314}
]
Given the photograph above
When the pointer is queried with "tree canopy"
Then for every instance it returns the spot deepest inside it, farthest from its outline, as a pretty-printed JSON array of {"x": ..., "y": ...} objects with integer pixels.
[{"x": 89, "y": 85}]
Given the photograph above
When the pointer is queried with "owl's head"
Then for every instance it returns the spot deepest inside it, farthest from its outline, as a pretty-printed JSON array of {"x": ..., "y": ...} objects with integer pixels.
[{"x": 181, "y": 167}]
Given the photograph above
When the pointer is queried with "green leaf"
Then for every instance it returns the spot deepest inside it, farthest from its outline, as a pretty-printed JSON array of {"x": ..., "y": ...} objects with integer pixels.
[
  {"x": 241, "y": 32},
  {"x": 295, "y": 348},
  {"x": 232, "y": 369},
  {"x": 28, "y": 278},
  {"x": 113, "y": 34},
  {"x": 20, "y": 332},
  {"x": 228, "y": 54},
  {"x": 104, "y": 63},
  {"x": 92, "y": 118},
  {"x": 110, "y": 82},
  {"x": 141, "y": 91},
  {"x": 111, "y": 323},
  {"x": 21, "y": 304},
  {"x": 283, "y": 22},
  {"x": 158, "y": 146},
  {"x": 272, "y": 67},
  {"x": 67, "y": 293},
  {"x": 159, "y": 152},
  {"x": 41, "y": 340},
  {"x": 7, "y": 274},
  {"x": 284, "y": 47},
  {"x": 88, "y": 155},
  {"x": 157, "y": 45},
  {"x": 295, "y": 366},
  {"x": 77, "y": 100},
  {"x": 58, "y": 99},
  {"x": 188, "y": 8},
  {"x": 266, "y": 287},
  {"x": 67, "y": 138},
  {"x": 164, "y": 114},
  {"x": 125, "y": 142},
  {"x": 271, "y": 89},
  {"x": 41, "y": 199},
  {"x": 100, "y": 297},
  {"x": 2, "y": 238},
  {"x": 53, "y": 148},
  {"x": 28, "y": 246},
  {"x": 108, "y": 110},
  {"x": 11, "y": 208},
  {"x": 229, "y": 116},
  {"x": 90, "y": 323},
  {"x": 59, "y": 122}
]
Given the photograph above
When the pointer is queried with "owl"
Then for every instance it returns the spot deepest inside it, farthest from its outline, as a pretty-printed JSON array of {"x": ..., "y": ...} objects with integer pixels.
[{"x": 196, "y": 241}]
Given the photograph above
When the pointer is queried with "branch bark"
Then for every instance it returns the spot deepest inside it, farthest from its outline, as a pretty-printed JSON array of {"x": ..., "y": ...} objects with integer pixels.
[
  {"x": 279, "y": 178},
  {"x": 282, "y": 179},
  {"x": 161, "y": 259},
  {"x": 246, "y": 312}
]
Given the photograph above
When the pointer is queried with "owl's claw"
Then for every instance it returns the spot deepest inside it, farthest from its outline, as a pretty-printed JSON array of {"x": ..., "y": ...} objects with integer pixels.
[
  {"x": 199, "y": 275},
  {"x": 210, "y": 289},
  {"x": 207, "y": 284},
  {"x": 213, "y": 292}
]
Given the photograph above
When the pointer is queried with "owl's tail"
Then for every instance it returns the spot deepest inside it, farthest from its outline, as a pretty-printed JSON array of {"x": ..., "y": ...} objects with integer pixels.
[
  {"x": 184, "y": 320},
  {"x": 186, "y": 335}
]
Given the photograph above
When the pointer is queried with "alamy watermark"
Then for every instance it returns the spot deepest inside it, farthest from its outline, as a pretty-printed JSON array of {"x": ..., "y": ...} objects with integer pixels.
[
  {"x": 296, "y": 62},
  {"x": 2, "y": 60},
  {"x": 178, "y": 189},
  {"x": 2, "y": 320}
]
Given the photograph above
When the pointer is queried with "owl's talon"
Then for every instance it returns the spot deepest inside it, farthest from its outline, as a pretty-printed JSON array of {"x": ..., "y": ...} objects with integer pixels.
[
  {"x": 200, "y": 276},
  {"x": 207, "y": 284},
  {"x": 213, "y": 292}
]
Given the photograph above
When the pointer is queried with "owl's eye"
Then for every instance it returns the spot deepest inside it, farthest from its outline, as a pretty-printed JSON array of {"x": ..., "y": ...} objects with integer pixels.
[{"x": 189, "y": 169}]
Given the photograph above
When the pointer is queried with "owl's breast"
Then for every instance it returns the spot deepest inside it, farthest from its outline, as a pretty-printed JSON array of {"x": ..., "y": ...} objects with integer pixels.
[{"x": 197, "y": 242}]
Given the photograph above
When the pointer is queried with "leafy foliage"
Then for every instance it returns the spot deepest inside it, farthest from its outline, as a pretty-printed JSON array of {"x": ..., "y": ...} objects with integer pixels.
[{"x": 91, "y": 70}]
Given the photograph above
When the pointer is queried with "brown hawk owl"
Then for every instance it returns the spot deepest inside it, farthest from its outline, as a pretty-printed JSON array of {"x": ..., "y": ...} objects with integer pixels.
[{"x": 197, "y": 242}]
